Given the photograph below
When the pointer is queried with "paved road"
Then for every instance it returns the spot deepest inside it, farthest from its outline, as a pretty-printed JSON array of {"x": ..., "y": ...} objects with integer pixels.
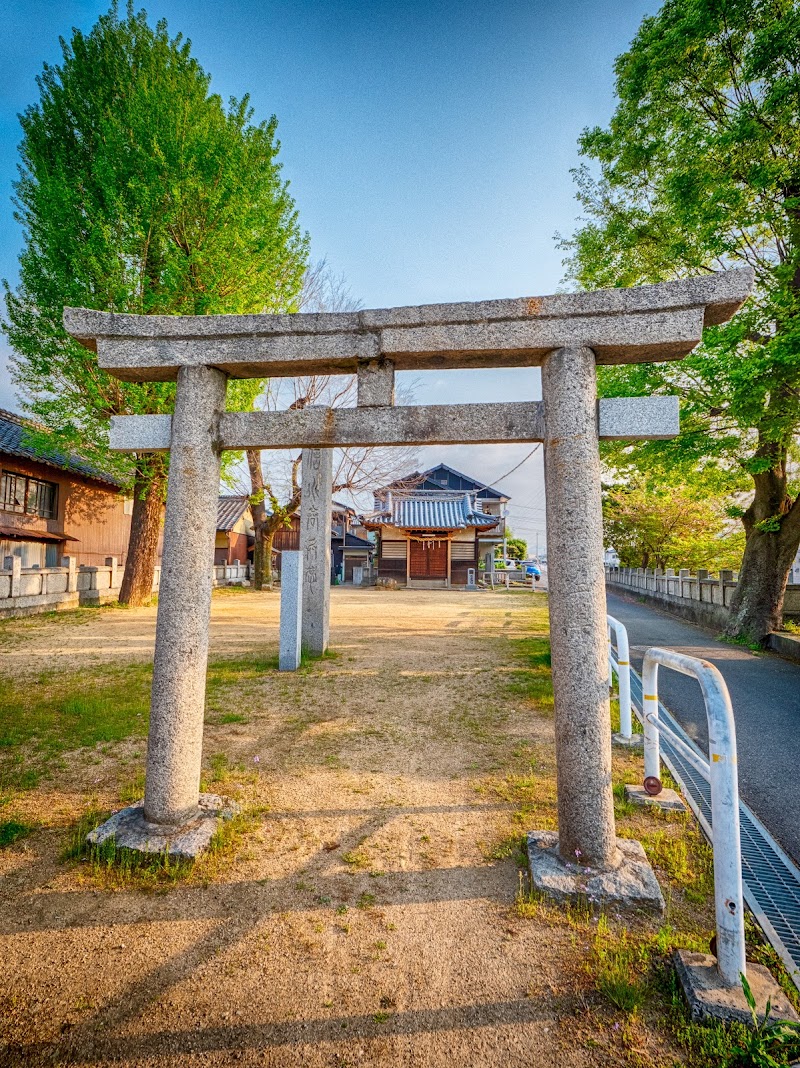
[{"x": 765, "y": 692}]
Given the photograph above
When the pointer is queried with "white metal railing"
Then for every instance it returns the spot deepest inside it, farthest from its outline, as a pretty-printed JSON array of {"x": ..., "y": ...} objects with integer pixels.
[
  {"x": 721, "y": 773},
  {"x": 622, "y": 666}
]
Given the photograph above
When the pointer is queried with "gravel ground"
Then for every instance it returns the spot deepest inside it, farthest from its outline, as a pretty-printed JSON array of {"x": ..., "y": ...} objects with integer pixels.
[{"x": 366, "y": 919}]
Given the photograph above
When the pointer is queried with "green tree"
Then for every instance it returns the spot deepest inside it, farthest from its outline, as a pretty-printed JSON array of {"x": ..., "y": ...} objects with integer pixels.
[
  {"x": 699, "y": 169},
  {"x": 139, "y": 191},
  {"x": 653, "y": 525},
  {"x": 516, "y": 548}
]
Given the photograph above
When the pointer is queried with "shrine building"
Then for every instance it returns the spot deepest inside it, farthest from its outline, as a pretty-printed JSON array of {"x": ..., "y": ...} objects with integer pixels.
[{"x": 433, "y": 526}]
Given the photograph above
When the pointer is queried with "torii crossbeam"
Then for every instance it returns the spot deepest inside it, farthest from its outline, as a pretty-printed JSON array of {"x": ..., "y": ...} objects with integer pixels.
[{"x": 567, "y": 335}]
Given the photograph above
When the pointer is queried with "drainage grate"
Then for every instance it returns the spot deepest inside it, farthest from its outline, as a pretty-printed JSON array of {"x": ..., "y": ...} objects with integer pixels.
[{"x": 771, "y": 881}]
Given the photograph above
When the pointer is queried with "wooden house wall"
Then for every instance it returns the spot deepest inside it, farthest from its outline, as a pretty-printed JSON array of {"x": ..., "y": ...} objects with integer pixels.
[
  {"x": 229, "y": 546},
  {"x": 288, "y": 537},
  {"x": 92, "y": 513},
  {"x": 463, "y": 556}
]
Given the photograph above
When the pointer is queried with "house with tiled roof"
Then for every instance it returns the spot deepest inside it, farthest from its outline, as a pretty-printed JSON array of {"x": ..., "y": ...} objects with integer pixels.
[
  {"x": 235, "y": 538},
  {"x": 435, "y": 526},
  {"x": 54, "y": 504}
]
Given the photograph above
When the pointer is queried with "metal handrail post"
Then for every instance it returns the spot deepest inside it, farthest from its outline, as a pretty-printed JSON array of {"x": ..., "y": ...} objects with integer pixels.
[
  {"x": 652, "y": 749},
  {"x": 623, "y": 664},
  {"x": 723, "y": 779}
]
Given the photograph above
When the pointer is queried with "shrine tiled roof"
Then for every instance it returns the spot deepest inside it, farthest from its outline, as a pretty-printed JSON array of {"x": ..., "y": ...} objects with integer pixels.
[{"x": 431, "y": 511}]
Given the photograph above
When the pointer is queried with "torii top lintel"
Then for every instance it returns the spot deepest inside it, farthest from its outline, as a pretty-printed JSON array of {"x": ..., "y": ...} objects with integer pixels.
[{"x": 638, "y": 325}]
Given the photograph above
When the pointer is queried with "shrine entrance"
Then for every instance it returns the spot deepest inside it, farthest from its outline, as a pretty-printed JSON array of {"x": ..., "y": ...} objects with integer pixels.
[
  {"x": 429, "y": 556},
  {"x": 567, "y": 335}
]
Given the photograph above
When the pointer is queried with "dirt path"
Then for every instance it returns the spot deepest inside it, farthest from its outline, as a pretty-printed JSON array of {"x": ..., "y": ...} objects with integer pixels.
[{"x": 368, "y": 918}]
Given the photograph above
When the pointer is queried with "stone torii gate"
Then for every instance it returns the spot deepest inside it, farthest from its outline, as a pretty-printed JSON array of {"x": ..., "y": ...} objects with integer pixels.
[{"x": 567, "y": 335}]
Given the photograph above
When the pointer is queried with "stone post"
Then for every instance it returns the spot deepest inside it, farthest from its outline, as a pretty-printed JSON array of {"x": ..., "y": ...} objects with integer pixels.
[
  {"x": 315, "y": 541},
  {"x": 16, "y": 576},
  {"x": 291, "y": 629},
  {"x": 113, "y": 578},
  {"x": 175, "y": 741},
  {"x": 72, "y": 573},
  {"x": 578, "y": 629}
]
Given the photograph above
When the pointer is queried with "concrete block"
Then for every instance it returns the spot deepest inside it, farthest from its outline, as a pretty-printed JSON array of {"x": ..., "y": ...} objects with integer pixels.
[
  {"x": 636, "y": 741},
  {"x": 140, "y": 433},
  {"x": 130, "y": 829},
  {"x": 291, "y": 625},
  {"x": 375, "y": 383},
  {"x": 425, "y": 424},
  {"x": 668, "y": 800},
  {"x": 622, "y": 338},
  {"x": 638, "y": 417},
  {"x": 629, "y": 884},
  {"x": 785, "y": 645},
  {"x": 708, "y": 999},
  {"x": 72, "y": 573}
]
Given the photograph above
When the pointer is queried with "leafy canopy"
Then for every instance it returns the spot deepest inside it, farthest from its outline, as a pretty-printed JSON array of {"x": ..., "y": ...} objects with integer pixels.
[
  {"x": 699, "y": 169},
  {"x": 139, "y": 191},
  {"x": 653, "y": 526}
]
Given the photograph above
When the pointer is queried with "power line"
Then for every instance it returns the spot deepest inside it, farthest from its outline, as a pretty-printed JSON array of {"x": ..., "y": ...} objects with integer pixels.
[{"x": 491, "y": 485}]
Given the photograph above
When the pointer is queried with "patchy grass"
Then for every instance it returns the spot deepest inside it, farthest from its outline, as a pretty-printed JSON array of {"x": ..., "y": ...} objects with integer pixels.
[
  {"x": 43, "y": 718},
  {"x": 629, "y": 964},
  {"x": 357, "y": 858},
  {"x": 745, "y": 643},
  {"x": 12, "y": 830},
  {"x": 108, "y": 867},
  {"x": 533, "y": 682}
]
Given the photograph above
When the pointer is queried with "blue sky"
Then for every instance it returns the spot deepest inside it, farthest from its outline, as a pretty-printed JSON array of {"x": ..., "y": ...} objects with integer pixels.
[{"x": 428, "y": 146}]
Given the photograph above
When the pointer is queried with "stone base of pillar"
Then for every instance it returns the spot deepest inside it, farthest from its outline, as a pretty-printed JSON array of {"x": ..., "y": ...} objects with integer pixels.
[
  {"x": 630, "y": 885},
  {"x": 668, "y": 800},
  {"x": 636, "y": 741},
  {"x": 708, "y": 999},
  {"x": 130, "y": 830}
]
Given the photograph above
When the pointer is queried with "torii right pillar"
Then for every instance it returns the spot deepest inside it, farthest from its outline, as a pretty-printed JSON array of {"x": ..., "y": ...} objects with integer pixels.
[
  {"x": 578, "y": 607},
  {"x": 585, "y": 860}
]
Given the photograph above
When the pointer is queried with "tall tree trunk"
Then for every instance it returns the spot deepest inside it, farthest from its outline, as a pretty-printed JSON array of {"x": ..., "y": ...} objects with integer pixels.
[
  {"x": 258, "y": 558},
  {"x": 266, "y": 524},
  {"x": 140, "y": 564},
  {"x": 262, "y": 571},
  {"x": 772, "y": 523},
  {"x": 267, "y": 542}
]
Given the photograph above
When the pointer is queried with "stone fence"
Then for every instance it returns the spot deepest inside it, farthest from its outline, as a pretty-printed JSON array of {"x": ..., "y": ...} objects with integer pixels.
[
  {"x": 700, "y": 597},
  {"x": 28, "y": 590}
]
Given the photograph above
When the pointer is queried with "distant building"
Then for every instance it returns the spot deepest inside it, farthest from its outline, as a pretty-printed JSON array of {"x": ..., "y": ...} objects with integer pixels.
[
  {"x": 794, "y": 570},
  {"x": 234, "y": 539},
  {"x": 350, "y": 544},
  {"x": 55, "y": 505},
  {"x": 433, "y": 526}
]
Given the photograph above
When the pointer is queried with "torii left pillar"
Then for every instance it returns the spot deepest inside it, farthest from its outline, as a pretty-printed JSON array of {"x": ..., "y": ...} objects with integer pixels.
[{"x": 175, "y": 816}]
